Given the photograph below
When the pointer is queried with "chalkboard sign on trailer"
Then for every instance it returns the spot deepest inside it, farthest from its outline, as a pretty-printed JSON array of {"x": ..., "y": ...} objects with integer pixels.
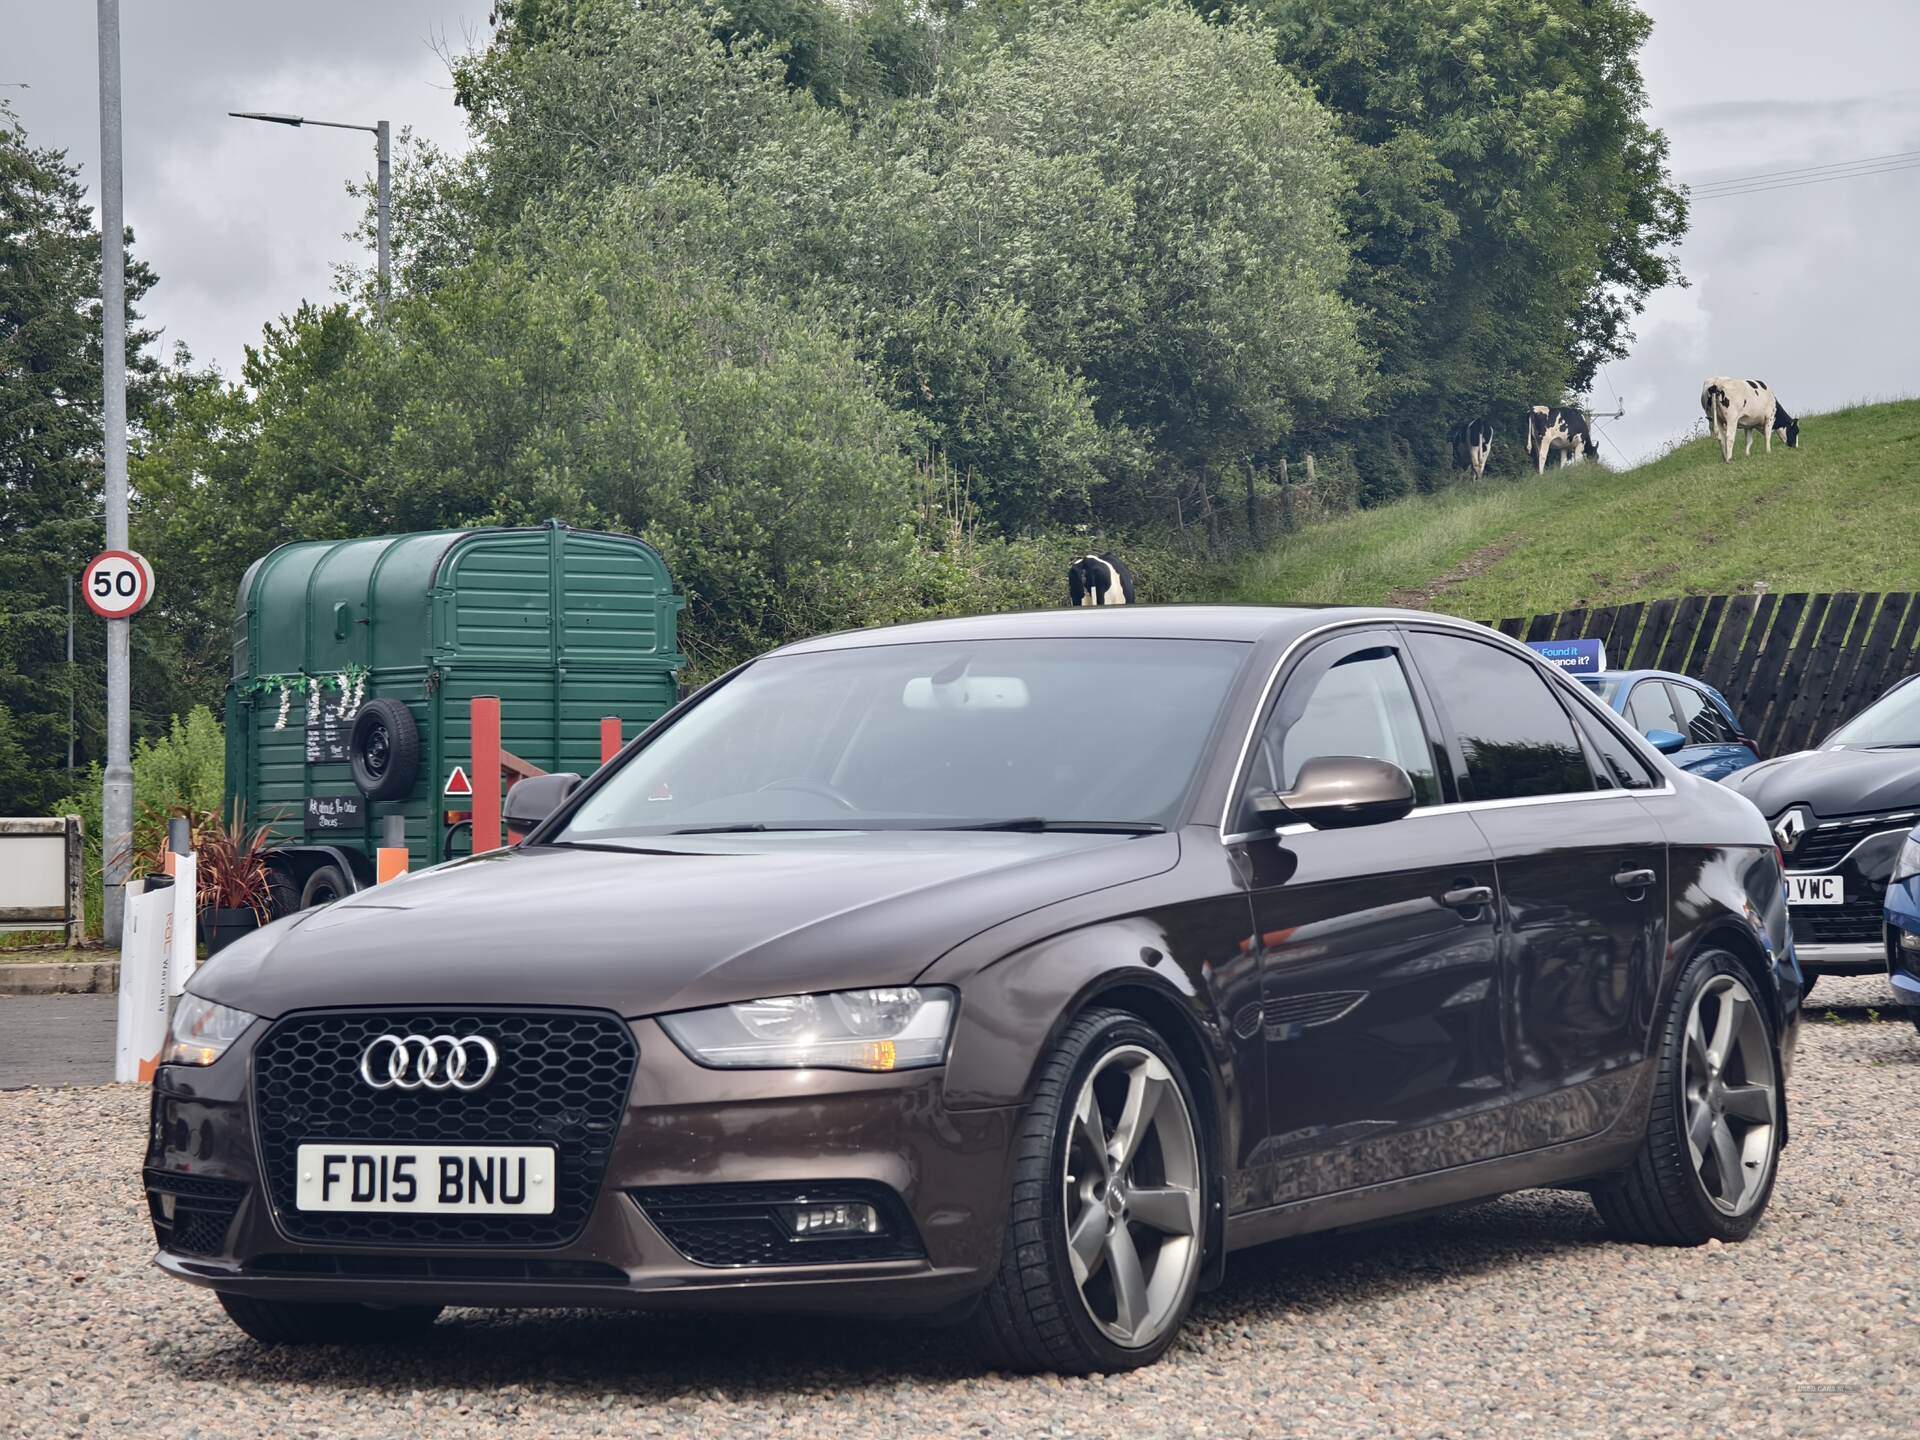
[
  {"x": 335, "y": 812},
  {"x": 327, "y": 733}
]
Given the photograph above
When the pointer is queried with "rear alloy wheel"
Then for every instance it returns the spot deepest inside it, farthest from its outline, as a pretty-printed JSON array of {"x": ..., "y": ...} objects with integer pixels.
[
  {"x": 1706, "y": 1168},
  {"x": 327, "y": 1322},
  {"x": 1105, "y": 1236}
]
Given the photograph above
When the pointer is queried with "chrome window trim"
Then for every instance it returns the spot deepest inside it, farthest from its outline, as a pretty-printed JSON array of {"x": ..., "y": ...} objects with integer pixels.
[
  {"x": 1458, "y": 627},
  {"x": 1464, "y": 807}
]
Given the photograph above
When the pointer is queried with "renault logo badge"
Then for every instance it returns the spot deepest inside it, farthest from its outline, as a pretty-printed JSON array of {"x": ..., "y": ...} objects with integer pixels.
[{"x": 1791, "y": 827}]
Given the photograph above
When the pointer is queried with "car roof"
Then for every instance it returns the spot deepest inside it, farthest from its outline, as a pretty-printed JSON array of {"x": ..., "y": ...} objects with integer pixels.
[
  {"x": 1629, "y": 675},
  {"x": 1245, "y": 623}
]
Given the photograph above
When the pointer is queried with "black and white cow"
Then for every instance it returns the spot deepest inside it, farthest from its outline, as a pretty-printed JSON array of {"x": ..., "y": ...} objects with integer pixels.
[
  {"x": 1556, "y": 427},
  {"x": 1099, "y": 580},
  {"x": 1734, "y": 405},
  {"x": 1472, "y": 445}
]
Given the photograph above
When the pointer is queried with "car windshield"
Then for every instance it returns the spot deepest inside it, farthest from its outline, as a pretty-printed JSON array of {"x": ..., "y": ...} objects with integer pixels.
[
  {"x": 1019, "y": 733},
  {"x": 1601, "y": 685},
  {"x": 1892, "y": 720}
]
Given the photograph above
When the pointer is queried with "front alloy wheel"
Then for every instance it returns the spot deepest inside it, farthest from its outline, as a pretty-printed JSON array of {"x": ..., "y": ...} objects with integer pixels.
[
  {"x": 1105, "y": 1229},
  {"x": 1130, "y": 1196}
]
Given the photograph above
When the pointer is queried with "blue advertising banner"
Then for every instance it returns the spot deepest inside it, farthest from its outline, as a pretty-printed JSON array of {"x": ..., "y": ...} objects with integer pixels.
[{"x": 1576, "y": 657}]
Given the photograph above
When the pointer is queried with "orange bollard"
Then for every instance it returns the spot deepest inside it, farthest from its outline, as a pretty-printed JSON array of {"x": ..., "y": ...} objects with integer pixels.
[
  {"x": 390, "y": 860},
  {"x": 610, "y": 741},
  {"x": 486, "y": 773}
]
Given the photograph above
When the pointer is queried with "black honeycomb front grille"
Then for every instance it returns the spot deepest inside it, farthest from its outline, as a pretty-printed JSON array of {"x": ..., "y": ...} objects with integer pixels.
[
  {"x": 562, "y": 1080},
  {"x": 192, "y": 1213},
  {"x": 726, "y": 1225},
  {"x": 1856, "y": 922}
]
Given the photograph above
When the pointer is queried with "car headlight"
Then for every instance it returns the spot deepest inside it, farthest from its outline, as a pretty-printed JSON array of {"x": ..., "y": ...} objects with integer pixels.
[
  {"x": 901, "y": 1027},
  {"x": 1907, "y": 864},
  {"x": 202, "y": 1031}
]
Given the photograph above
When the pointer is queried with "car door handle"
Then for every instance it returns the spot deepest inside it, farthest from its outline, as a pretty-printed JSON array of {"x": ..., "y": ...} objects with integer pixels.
[
  {"x": 1633, "y": 879},
  {"x": 1468, "y": 897}
]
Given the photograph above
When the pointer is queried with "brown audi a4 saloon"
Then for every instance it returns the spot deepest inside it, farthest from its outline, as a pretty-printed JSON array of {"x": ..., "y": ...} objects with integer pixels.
[{"x": 1011, "y": 972}]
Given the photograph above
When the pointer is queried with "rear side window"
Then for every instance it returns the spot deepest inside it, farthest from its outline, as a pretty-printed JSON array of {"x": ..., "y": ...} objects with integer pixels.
[
  {"x": 1650, "y": 708},
  {"x": 1514, "y": 735},
  {"x": 1619, "y": 766},
  {"x": 1700, "y": 719}
]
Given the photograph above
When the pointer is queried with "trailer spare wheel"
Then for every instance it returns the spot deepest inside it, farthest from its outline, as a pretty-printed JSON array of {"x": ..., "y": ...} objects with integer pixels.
[{"x": 385, "y": 750}]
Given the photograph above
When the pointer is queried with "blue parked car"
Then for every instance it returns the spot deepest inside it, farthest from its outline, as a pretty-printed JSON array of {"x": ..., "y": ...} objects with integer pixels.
[
  {"x": 1688, "y": 722},
  {"x": 1903, "y": 927}
]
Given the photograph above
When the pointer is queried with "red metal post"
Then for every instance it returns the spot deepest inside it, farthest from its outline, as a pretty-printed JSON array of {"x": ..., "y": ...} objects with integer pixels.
[
  {"x": 486, "y": 773},
  {"x": 609, "y": 737}
]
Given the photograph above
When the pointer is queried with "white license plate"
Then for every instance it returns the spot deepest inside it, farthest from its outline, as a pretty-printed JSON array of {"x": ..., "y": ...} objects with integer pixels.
[
  {"x": 425, "y": 1179},
  {"x": 1815, "y": 889}
]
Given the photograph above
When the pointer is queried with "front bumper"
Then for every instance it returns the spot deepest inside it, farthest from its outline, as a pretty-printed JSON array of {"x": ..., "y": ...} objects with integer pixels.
[
  {"x": 943, "y": 1173},
  {"x": 1902, "y": 964},
  {"x": 1861, "y": 959}
]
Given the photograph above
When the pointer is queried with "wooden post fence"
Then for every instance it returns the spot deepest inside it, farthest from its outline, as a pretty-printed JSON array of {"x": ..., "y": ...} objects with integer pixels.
[{"x": 1792, "y": 666}]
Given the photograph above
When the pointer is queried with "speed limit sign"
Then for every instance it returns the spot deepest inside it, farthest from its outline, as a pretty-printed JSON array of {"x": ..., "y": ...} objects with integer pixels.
[{"x": 117, "y": 583}]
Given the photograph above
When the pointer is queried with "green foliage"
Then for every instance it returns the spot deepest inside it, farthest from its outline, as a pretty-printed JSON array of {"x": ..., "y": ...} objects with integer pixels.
[
  {"x": 50, "y": 441},
  {"x": 181, "y": 771},
  {"x": 867, "y": 313}
]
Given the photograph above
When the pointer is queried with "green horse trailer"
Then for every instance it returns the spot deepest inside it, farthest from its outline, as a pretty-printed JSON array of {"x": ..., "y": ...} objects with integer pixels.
[{"x": 356, "y": 662}]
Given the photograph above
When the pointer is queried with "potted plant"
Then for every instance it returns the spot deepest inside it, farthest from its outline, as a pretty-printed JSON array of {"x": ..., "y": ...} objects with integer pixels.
[{"x": 233, "y": 879}]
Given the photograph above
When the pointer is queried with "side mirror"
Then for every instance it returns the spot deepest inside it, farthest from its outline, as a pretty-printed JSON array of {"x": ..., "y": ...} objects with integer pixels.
[
  {"x": 535, "y": 798},
  {"x": 1338, "y": 792},
  {"x": 1667, "y": 742}
]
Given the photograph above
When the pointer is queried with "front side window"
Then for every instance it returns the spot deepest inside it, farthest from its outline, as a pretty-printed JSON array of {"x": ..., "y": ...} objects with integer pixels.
[
  {"x": 932, "y": 735},
  {"x": 1650, "y": 708},
  {"x": 1515, "y": 738},
  {"x": 1361, "y": 705}
]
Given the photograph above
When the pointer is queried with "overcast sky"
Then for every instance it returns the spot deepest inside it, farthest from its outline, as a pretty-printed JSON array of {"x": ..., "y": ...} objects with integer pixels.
[{"x": 1811, "y": 288}]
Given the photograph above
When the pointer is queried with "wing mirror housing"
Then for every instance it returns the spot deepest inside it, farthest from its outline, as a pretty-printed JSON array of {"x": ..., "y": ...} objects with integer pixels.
[
  {"x": 1667, "y": 742},
  {"x": 535, "y": 798},
  {"x": 1339, "y": 792}
]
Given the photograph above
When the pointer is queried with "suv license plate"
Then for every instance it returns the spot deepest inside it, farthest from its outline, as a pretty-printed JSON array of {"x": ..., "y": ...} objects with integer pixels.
[
  {"x": 425, "y": 1179},
  {"x": 1815, "y": 889}
]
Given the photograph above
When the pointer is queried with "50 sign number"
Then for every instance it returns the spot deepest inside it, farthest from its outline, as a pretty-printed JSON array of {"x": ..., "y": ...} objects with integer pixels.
[{"x": 116, "y": 584}]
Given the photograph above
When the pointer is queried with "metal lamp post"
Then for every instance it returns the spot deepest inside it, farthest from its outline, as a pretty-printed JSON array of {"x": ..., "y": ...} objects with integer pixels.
[{"x": 381, "y": 132}]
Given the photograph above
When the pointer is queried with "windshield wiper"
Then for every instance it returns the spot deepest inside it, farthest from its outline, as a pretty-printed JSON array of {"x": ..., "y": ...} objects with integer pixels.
[
  {"x": 1896, "y": 745},
  {"x": 1040, "y": 825},
  {"x": 738, "y": 827}
]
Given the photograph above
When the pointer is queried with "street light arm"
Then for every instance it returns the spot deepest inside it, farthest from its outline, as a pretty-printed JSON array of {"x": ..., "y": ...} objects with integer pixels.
[{"x": 274, "y": 118}]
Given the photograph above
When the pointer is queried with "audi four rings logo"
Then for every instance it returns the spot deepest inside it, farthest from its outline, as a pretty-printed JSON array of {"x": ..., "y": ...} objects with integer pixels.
[{"x": 430, "y": 1062}]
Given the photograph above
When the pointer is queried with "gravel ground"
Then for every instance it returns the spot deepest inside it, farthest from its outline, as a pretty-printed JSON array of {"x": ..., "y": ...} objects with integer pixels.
[{"x": 1510, "y": 1318}]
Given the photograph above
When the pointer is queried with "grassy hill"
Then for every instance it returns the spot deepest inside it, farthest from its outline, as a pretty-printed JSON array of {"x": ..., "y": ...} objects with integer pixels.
[{"x": 1840, "y": 513}]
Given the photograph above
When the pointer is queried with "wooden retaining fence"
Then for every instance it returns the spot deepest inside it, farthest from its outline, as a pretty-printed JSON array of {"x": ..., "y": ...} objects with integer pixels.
[{"x": 1792, "y": 666}]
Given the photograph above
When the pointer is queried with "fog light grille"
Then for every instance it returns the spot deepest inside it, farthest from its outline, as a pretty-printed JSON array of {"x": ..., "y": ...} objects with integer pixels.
[
  {"x": 192, "y": 1213},
  {"x": 734, "y": 1225}
]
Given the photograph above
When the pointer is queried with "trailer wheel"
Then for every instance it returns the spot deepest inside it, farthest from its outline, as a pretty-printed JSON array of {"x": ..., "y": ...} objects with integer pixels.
[
  {"x": 324, "y": 886},
  {"x": 283, "y": 892},
  {"x": 384, "y": 750}
]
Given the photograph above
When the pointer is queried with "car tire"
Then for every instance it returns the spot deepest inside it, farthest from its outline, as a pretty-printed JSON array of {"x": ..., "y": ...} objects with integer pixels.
[
  {"x": 327, "y": 1322},
  {"x": 384, "y": 750},
  {"x": 1048, "y": 1310},
  {"x": 1706, "y": 1168},
  {"x": 283, "y": 892},
  {"x": 324, "y": 886}
]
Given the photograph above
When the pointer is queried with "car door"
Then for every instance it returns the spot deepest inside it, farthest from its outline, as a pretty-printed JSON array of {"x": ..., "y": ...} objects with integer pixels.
[
  {"x": 1379, "y": 962},
  {"x": 1582, "y": 881}
]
